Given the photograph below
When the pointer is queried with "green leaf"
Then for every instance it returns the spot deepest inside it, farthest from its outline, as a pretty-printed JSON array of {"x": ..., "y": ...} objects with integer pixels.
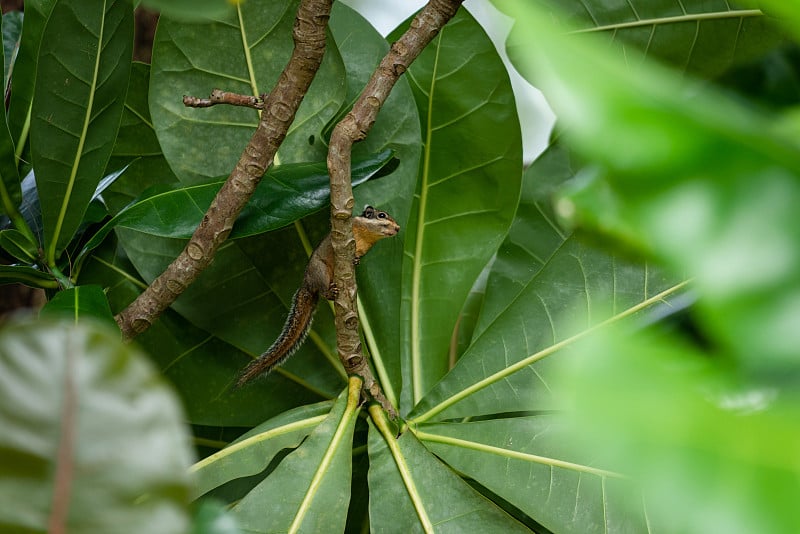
[
  {"x": 19, "y": 245},
  {"x": 79, "y": 303},
  {"x": 136, "y": 146},
  {"x": 252, "y": 453},
  {"x": 191, "y": 10},
  {"x": 507, "y": 369},
  {"x": 201, "y": 366},
  {"x": 534, "y": 236},
  {"x": 93, "y": 441},
  {"x": 700, "y": 209},
  {"x": 24, "y": 75},
  {"x": 212, "y": 517},
  {"x": 77, "y": 108},
  {"x": 12, "y": 32},
  {"x": 287, "y": 193},
  {"x": 412, "y": 491},
  {"x": 698, "y": 437},
  {"x": 251, "y": 47},
  {"x": 241, "y": 288},
  {"x": 310, "y": 489},
  {"x": 524, "y": 460},
  {"x": 10, "y": 191},
  {"x": 466, "y": 195},
  {"x": 703, "y": 38},
  {"x": 12, "y": 274}
]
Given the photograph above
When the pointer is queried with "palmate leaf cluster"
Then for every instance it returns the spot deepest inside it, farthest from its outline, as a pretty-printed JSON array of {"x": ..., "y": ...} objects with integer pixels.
[{"x": 604, "y": 341}]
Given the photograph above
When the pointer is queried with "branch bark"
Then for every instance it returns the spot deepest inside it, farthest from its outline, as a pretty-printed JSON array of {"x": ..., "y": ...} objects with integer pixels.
[
  {"x": 218, "y": 96},
  {"x": 353, "y": 128},
  {"x": 280, "y": 107}
]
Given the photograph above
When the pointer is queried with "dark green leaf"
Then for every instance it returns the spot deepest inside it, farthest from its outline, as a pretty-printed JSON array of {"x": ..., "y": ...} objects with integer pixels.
[
  {"x": 79, "y": 303},
  {"x": 251, "y": 453},
  {"x": 534, "y": 236},
  {"x": 137, "y": 146},
  {"x": 93, "y": 441},
  {"x": 191, "y": 10},
  {"x": 466, "y": 195},
  {"x": 412, "y": 491},
  {"x": 507, "y": 368},
  {"x": 310, "y": 489},
  {"x": 77, "y": 108},
  {"x": 18, "y": 245},
  {"x": 203, "y": 144},
  {"x": 12, "y": 32},
  {"x": 525, "y": 461},
  {"x": 287, "y": 193},
  {"x": 12, "y": 274},
  {"x": 10, "y": 192},
  {"x": 22, "y": 81},
  {"x": 202, "y": 367}
]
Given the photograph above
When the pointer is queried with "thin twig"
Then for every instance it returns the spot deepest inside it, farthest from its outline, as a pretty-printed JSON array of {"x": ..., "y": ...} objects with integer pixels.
[
  {"x": 218, "y": 96},
  {"x": 280, "y": 107},
  {"x": 353, "y": 128}
]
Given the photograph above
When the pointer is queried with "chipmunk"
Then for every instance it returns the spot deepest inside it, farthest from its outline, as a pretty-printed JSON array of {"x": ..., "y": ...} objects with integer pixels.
[{"x": 370, "y": 227}]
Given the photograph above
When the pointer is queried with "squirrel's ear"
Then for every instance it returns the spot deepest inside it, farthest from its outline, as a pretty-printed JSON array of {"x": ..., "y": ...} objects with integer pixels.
[{"x": 369, "y": 212}]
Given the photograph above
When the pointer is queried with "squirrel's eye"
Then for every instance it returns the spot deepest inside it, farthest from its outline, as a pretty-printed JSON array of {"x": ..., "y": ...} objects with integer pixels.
[{"x": 381, "y": 215}]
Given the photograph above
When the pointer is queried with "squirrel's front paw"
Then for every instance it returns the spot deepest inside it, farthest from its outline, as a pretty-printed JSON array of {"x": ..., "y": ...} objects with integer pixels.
[{"x": 333, "y": 291}]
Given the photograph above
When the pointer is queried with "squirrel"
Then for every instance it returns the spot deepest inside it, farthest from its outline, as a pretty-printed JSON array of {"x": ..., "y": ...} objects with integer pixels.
[{"x": 368, "y": 229}]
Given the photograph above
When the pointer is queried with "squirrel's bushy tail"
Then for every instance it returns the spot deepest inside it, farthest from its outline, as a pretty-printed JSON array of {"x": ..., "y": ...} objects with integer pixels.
[{"x": 304, "y": 303}]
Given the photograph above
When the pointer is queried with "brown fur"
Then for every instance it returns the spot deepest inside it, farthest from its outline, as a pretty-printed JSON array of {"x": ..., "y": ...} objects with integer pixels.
[{"x": 370, "y": 227}]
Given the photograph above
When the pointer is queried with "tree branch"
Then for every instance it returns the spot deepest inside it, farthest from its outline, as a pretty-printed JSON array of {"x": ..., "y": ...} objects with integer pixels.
[
  {"x": 218, "y": 96},
  {"x": 353, "y": 128},
  {"x": 280, "y": 107}
]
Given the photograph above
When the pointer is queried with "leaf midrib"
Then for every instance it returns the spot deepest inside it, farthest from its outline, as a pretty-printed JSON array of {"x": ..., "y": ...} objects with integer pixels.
[
  {"x": 52, "y": 247},
  {"x": 688, "y": 17}
]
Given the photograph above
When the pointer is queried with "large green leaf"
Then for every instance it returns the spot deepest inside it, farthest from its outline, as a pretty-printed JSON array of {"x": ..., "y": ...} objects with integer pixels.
[
  {"x": 718, "y": 201},
  {"x": 202, "y": 367},
  {"x": 252, "y": 452},
  {"x": 310, "y": 489},
  {"x": 79, "y": 303},
  {"x": 93, "y": 441},
  {"x": 188, "y": 10},
  {"x": 24, "y": 75},
  {"x": 466, "y": 194},
  {"x": 22, "y": 274},
  {"x": 412, "y": 491},
  {"x": 698, "y": 36},
  {"x": 580, "y": 288},
  {"x": 524, "y": 460},
  {"x": 251, "y": 47},
  {"x": 695, "y": 437},
  {"x": 243, "y": 288},
  {"x": 10, "y": 190},
  {"x": 77, "y": 108},
  {"x": 397, "y": 127},
  {"x": 12, "y": 33},
  {"x": 534, "y": 236},
  {"x": 136, "y": 146}
]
